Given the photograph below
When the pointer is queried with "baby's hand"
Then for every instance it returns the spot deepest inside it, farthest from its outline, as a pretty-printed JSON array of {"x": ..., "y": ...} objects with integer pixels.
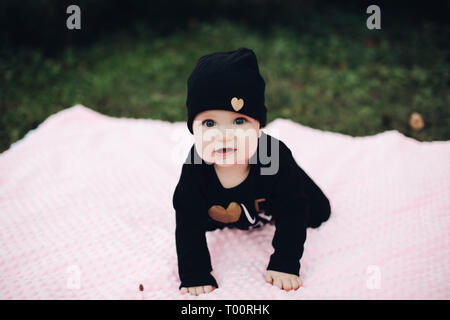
[
  {"x": 197, "y": 290},
  {"x": 285, "y": 281}
]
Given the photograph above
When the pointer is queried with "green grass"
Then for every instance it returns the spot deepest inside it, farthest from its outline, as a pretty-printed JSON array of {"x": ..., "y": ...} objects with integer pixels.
[{"x": 357, "y": 83}]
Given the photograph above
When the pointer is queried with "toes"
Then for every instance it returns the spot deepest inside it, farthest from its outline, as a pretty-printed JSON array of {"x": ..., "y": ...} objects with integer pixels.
[{"x": 183, "y": 290}]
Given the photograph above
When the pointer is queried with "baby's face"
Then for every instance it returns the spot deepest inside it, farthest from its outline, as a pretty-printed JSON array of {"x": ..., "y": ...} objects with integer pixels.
[{"x": 215, "y": 130}]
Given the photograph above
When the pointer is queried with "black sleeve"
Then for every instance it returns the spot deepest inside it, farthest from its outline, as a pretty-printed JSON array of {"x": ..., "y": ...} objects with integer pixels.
[
  {"x": 290, "y": 207},
  {"x": 194, "y": 263}
]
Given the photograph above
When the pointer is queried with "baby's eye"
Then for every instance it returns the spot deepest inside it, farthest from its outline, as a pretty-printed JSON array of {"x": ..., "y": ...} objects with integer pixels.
[
  {"x": 240, "y": 120},
  {"x": 209, "y": 123}
]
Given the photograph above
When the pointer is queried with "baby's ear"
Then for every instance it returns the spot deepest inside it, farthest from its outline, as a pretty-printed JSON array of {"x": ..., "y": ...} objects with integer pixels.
[{"x": 259, "y": 132}]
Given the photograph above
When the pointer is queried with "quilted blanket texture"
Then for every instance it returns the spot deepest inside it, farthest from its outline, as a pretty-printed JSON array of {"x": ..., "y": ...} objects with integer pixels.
[{"x": 86, "y": 213}]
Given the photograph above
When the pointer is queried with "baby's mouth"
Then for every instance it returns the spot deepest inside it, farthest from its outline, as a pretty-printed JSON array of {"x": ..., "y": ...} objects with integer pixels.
[{"x": 226, "y": 150}]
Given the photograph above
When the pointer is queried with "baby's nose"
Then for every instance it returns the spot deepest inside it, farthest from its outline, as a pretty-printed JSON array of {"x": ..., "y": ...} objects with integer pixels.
[{"x": 227, "y": 134}]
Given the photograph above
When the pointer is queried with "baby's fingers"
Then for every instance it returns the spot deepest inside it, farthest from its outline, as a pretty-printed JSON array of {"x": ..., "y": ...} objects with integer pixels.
[
  {"x": 277, "y": 282},
  {"x": 208, "y": 288},
  {"x": 197, "y": 290},
  {"x": 200, "y": 290},
  {"x": 287, "y": 285},
  {"x": 295, "y": 283},
  {"x": 192, "y": 290},
  {"x": 269, "y": 278}
]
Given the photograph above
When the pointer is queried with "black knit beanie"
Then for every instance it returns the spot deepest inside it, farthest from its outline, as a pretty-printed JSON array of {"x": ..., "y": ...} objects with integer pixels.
[{"x": 227, "y": 81}]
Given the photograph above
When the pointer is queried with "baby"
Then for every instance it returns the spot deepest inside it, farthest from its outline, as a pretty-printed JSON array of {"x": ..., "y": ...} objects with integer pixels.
[{"x": 237, "y": 176}]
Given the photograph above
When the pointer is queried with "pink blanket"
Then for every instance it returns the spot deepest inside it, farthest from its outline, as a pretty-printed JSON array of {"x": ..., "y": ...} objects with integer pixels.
[{"x": 86, "y": 213}]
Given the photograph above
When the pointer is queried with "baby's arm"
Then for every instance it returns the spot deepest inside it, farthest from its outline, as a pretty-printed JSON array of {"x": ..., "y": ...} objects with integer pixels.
[
  {"x": 194, "y": 263},
  {"x": 289, "y": 206}
]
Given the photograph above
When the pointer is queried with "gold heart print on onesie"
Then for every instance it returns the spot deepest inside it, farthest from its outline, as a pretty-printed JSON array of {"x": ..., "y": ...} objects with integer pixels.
[
  {"x": 237, "y": 104},
  {"x": 228, "y": 215}
]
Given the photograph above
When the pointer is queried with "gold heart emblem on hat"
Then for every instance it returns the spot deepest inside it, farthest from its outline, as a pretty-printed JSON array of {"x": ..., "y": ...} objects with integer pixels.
[
  {"x": 228, "y": 215},
  {"x": 237, "y": 104}
]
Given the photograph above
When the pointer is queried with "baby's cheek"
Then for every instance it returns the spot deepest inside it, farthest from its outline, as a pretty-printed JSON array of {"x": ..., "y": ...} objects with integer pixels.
[
  {"x": 205, "y": 150},
  {"x": 241, "y": 156},
  {"x": 247, "y": 150},
  {"x": 208, "y": 153}
]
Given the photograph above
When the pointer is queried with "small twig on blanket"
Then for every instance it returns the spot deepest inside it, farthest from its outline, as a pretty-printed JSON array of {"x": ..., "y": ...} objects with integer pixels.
[{"x": 141, "y": 288}]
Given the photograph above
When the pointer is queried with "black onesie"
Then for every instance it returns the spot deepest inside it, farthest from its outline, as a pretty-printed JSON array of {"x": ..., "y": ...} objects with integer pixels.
[{"x": 287, "y": 197}]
